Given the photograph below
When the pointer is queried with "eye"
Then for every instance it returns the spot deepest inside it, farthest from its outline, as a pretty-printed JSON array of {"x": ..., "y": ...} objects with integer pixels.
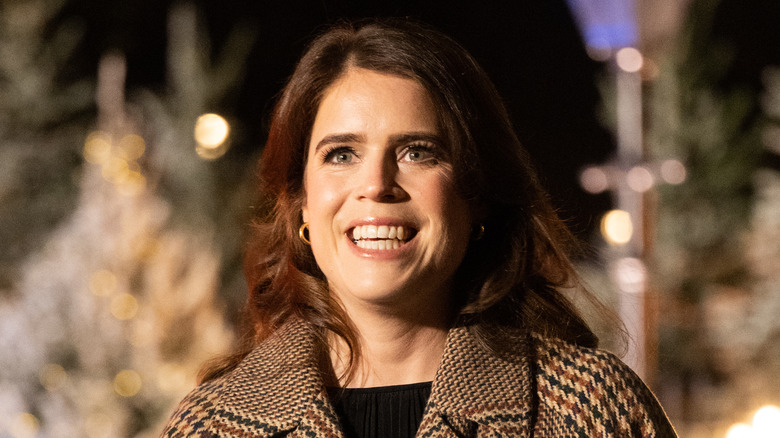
[
  {"x": 421, "y": 153},
  {"x": 339, "y": 155}
]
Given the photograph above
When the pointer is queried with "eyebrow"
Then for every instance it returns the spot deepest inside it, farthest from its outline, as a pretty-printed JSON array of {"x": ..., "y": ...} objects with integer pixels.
[
  {"x": 395, "y": 140},
  {"x": 399, "y": 139},
  {"x": 340, "y": 138}
]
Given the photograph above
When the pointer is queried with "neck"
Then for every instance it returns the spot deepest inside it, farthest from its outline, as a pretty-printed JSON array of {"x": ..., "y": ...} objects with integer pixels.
[{"x": 394, "y": 349}]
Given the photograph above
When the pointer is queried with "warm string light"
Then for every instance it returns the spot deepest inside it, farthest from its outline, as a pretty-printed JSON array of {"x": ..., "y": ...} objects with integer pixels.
[
  {"x": 617, "y": 227},
  {"x": 127, "y": 383},
  {"x": 118, "y": 160},
  {"x": 211, "y": 135},
  {"x": 52, "y": 376},
  {"x": 640, "y": 178},
  {"x": 123, "y": 305},
  {"x": 766, "y": 424},
  {"x": 25, "y": 425}
]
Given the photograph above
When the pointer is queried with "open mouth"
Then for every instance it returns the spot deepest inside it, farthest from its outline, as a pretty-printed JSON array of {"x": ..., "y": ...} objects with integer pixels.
[{"x": 381, "y": 236}]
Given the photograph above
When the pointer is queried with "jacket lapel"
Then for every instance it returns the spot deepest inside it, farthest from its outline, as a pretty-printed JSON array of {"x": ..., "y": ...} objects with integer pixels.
[
  {"x": 476, "y": 393},
  {"x": 277, "y": 389}
]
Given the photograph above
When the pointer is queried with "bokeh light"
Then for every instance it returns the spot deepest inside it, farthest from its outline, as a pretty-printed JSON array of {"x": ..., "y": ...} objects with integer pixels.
[
  {"x": 766, "y": 424},
  {"x": 52, "y": 376},
  {"x": 766, "y": 421},
  {"x": 629, "y": 59},
  {"x": 131, "y": 147},
  {"x": 25, "y": 425},
  {"x": 124, "y": 306},
  {"x": 132, "y": 183},
  {"x": 741, "y": 430},
  {"x": 594, "y": 180},
  {"x": 639, "y": 179},
  {"x": 127, "y": 383},
  {"x": 673, "y": 172},
  {"x": 617, "y": 227},
  {"x": 211, "y": 134},
  {"x": 630, "y": 274},
  {"x": 97, "y": 147},
  {"x": 118, "y": 161}
]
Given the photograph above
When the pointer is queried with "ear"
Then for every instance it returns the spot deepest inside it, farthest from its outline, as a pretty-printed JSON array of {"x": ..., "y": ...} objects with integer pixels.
[{"x": 305, "y": 213}]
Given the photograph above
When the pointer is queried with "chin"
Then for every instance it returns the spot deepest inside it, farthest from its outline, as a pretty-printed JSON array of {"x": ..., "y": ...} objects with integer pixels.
[{"x": 384, "y": 293}]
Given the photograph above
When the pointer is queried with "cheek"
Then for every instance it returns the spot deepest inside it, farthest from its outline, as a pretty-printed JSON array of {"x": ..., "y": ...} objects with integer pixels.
[
  {"x": 439, "y": 195},
  {"x": 322, "y": 201}
]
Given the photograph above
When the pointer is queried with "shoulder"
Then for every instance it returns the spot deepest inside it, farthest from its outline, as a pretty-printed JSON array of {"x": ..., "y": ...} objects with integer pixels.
[
  {"x": 193, "y": 415},
  {"x": 557, "y": 358},
  {"x": 594, "y": 391},
  {"x": 267, "y": 391}
]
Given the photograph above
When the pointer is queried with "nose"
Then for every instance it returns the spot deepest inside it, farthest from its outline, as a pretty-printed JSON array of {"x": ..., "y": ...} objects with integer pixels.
[{"x": 379, "y": 180}]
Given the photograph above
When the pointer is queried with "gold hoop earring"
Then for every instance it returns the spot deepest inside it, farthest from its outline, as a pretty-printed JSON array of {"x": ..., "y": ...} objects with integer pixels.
[
  {"x": 479, "y": 232},
  {"x": 302, "y": 233}
]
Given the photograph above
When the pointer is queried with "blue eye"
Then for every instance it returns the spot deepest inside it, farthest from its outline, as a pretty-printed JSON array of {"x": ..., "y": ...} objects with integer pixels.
[
  {"x": 420, "y": 153},
  {"x": 340, "y": 155}
]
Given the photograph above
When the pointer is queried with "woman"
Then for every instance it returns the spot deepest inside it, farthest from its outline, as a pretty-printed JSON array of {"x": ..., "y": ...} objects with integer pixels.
[{"x": 406, "y": 278}]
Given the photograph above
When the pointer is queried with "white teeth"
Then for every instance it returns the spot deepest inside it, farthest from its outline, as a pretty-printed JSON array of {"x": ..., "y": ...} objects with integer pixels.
[
  {"x": 389, "y": 232},
  {"x": 379, "y": 244}
]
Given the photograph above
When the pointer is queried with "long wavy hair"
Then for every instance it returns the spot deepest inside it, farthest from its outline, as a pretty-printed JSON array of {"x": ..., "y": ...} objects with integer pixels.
[{"x": 509, "y": 278}]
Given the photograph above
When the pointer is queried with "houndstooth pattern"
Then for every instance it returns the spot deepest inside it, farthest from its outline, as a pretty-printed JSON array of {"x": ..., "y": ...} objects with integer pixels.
[
  {"x": 590, "y": 393},
  {"x": 542, "y": 388}
]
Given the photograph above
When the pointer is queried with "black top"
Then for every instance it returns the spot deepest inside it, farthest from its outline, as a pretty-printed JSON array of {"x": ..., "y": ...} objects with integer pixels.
[{"x": 385, "y": 411}]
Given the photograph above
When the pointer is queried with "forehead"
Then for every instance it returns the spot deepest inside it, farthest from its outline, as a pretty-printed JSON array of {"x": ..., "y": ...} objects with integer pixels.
[{"x": 364, "y": 99}]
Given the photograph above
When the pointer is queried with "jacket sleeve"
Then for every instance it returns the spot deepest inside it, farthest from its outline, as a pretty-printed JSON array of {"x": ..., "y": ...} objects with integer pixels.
[
  {"x": 193, "y": 415},
  {"x": 591, "y": 393}
]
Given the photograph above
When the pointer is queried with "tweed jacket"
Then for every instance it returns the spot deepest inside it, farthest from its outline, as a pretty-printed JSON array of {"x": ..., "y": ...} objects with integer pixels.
[{"x": 543, "y": 388}]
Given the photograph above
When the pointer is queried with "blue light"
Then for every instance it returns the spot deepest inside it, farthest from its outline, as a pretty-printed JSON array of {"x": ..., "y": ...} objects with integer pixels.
[{"x": 606, "y": 24}]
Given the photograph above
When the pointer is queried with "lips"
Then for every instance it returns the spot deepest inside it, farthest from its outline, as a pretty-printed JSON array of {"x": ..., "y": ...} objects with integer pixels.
[{"x": 381, "y": 236}]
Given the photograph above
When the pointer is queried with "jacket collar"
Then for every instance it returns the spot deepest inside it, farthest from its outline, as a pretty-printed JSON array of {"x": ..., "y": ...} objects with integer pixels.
[
  {"x": 484, "y": 388},
  {"x": 278, "y": 386}
]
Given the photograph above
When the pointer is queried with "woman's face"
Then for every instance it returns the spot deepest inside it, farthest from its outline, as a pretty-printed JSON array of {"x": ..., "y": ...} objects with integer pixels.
[{"x": 385, "y": 221}]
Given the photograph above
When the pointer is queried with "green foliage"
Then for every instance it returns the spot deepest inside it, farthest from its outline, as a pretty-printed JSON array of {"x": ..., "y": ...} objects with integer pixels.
[{"x": 714, "y": 130}]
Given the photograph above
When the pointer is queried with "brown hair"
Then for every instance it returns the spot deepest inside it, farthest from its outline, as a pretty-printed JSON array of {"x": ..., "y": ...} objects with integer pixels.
[{"x": 509, "y": 278}]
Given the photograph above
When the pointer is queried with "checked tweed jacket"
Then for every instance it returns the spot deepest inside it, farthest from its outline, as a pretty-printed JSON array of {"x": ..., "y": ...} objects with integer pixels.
[{"x": 544, "y": 388}]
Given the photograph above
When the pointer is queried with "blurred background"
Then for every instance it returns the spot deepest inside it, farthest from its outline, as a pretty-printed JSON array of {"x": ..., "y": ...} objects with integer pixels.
[{"x": 129, "y": 139}]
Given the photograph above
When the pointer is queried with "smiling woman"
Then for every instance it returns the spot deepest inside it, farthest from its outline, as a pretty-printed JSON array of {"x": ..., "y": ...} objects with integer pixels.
[
  {"x": 376, "y": 161},
  {"x": 406, "y": 278}
]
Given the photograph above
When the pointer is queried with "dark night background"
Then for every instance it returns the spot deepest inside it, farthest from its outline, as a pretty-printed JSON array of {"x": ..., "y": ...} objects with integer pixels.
[
  {"x": 531, "y": 50},
  {"x": 73, "y": 248}
]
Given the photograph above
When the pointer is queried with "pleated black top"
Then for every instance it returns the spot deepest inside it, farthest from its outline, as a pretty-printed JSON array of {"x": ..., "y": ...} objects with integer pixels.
[{"x": 386, "y": 411}]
